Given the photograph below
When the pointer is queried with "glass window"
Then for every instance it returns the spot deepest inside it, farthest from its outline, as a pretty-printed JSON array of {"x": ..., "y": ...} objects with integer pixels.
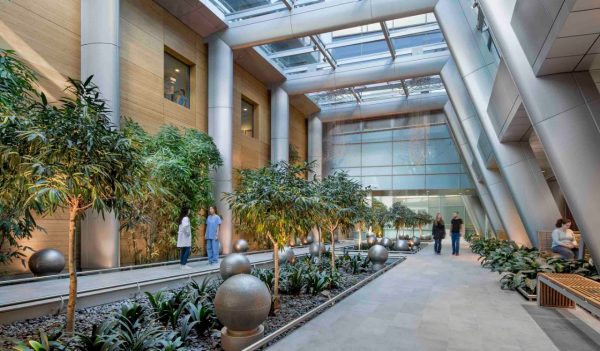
[
  {"x": 247, "y": 118},
  {"x": 177, "y": 81}
]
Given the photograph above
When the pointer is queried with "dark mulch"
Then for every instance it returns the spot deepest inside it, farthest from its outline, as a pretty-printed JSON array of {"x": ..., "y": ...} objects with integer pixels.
[{"x": 292, "y": 307}]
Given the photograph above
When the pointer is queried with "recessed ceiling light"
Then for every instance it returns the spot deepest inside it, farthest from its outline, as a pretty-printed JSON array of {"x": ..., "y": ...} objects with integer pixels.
[
  {"x": 245, "y": 109},
  {"x": 177, "y": 70}
]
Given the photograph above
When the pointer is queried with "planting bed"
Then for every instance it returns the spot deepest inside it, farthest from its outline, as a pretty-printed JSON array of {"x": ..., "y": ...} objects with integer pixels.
[{"x": 292, "y": 307}]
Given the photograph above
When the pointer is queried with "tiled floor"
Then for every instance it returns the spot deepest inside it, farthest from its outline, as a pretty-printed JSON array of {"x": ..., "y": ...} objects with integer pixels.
[{"x": 430, "y": 302}]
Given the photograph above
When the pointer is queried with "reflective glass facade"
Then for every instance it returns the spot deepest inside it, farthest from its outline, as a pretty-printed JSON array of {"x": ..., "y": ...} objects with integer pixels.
[{"x": 401, "y": 155}]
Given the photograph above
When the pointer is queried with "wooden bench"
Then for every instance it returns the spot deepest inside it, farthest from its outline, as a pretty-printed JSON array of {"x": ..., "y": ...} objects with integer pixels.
[{"x": 566, "y": 290}]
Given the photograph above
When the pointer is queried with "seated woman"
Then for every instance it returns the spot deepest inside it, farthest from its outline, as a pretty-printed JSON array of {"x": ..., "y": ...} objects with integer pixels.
[{"x": 563, "y": 240}]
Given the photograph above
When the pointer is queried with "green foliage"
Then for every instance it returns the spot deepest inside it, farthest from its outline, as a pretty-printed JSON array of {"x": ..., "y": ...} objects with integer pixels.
[
  {"x": 380, "y": 216},
  {"x": 203, "y": 314},
  {"x": 266, "y": 275},
  {"x": 316, "y": 281},
  {"x": 186, "y": 325},
  {"x": 292, "y": 277},
  {"x": 402, "y": 216},
  {"x": 46, "y": 342},
  {"x": 177, "y": 164},
  {"x": 420, "y": 219},
  {"x": 167, "y": 310},
  {"x": 102, "y": 338}
]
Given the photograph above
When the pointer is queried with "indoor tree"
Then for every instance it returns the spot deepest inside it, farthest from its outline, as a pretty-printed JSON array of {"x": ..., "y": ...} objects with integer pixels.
[
  {"x": 276, "y": 202},
  {"x": 421, "y": 219},
  {"x": 17, "y": 95},
  {"x": 69, "y": 156},
  {"x": 339, "y": 199},
  {"x": 380, "y": 216},
  {"x": 178, "y": 163},
  {"x": 401, "y": 216}
]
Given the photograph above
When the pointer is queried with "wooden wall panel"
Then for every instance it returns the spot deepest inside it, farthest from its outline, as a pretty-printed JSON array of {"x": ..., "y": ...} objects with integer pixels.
[{"x": 46, "y": 35}]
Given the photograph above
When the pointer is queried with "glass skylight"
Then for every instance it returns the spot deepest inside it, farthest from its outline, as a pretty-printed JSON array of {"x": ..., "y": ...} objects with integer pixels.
[
  {"x": 377, "y": 91},
  {"x": 238, "y": 10},
  {"x": 412, "y": 35}
]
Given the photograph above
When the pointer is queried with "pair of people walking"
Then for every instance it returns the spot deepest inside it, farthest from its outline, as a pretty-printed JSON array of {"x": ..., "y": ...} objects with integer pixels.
[
  {"x": 184, "y": 236},
  {"x": 439, "y": 232}
]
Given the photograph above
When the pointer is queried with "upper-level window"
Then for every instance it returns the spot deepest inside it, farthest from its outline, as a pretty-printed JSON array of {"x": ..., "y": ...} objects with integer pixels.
[
  {"x": 248, "y": 109},
  {"x": 177, "y": 81}
]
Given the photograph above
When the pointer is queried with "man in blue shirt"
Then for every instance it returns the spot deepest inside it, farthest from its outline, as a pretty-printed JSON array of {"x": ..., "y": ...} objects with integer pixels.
[{"x": 213, "y": 221}]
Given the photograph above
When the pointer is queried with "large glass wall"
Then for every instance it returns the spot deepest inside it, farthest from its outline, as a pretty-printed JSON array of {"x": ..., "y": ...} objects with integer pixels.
[
  {"x": 404, "y": 155},
  {"x": 444, "y": 204}
]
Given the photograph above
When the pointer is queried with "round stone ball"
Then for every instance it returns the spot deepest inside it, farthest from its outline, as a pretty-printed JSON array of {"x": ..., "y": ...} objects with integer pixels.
[
  {"x": 310, "y": 238},
  {"x": 416, "y": 241},
  {"x": 315, "y": 249},
  {"x": 378, "y": 254},
  {"x": 371, "y": 240},
  {"x": 240, "y": 246},
  {"x": 46, "y": 262},
  {"x": 242, "y": 302},
  {"x": 291, "y": 256},
  {"x": 285, "y": 255},
  {"x": 386, "y": 242},
  {"x": 234, "y": 264},
  {"x": 401, "y": 245},
  {"x": 304, "y": 241}
]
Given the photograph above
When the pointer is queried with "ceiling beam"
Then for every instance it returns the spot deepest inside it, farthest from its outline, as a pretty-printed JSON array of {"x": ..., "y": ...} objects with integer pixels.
[
  {"x": 289, "y": 4},
  {"x": 388, "y": 40},
  {"x": 321, "y": 47}
]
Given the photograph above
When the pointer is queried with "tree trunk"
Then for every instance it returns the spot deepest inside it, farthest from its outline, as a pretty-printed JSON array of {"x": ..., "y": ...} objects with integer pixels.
[
  {"x": 420, "y": 230},
  {"x": 332, "y": 250},
  {"x": 276, "y": 302},
  {"x": 73, "y": 211},
  {"x": 359, "y": 236}
]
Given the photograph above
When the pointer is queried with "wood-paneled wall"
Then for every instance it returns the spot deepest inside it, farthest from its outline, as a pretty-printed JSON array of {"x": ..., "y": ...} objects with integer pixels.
[{"x": 46, "y": 35}]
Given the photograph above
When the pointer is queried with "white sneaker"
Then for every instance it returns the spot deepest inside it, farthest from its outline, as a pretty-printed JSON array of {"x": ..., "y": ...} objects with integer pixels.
[{"x": 186, "y": 267}]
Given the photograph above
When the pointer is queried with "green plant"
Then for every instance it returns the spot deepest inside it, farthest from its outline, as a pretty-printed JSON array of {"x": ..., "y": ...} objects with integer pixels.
[
  {"x": 203, "y": 315},
  {"x": 132, "y": 312},
  {"x": 293, "y": 279},
  {"x": 46, "y": 342},
  {"x": 135, "y": 337},
  {"x": 186, "y": 325},
  {"x": 167, "y": 310},
  {"x": 380, "y": 216},
  {"x": 316, "y": 281},
  {"x": 354, "y": 265},
  {"x": 102, "y": 338},
  {"x": 172, "y": 343},
  {"x": 206, "y": 290},
  {"x": 274, "y": 201},
  {"x": 422, "y": 218},
  {"x": 339, "y": 199}
]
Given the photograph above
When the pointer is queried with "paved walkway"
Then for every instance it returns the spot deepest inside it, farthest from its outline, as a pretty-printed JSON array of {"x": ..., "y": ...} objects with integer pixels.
[{"x": 429, "y": 302}]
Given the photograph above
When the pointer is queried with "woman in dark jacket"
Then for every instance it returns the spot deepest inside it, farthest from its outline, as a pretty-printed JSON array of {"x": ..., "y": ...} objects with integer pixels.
[{"x": 439, "y": 233}]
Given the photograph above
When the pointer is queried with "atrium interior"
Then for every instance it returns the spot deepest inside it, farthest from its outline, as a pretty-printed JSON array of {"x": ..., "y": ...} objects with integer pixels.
[{"x": 300, "y": 174}]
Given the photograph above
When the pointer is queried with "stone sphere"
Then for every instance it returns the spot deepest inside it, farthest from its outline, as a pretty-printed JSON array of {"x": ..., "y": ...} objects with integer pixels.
[
  {"x": 377, "y": 266},
  {"x": 46, "y": 262},
  {"x": 242, "y": 302},
  {"x": 310, "y": 238},
  {"x": 315, "y": 249},
  {"x": 371, "y": 240},
  {"x": 378, "y": 254},
  {"x": 304, "y": 241},
  {"x": 386, "y": 242},
  {"x": 234, "y": 264},
  {"x": 416, "y": 241},
  {"x": 286, "y": 255},
  {"x": 401, "y": 245},
  {"x": 240, "y": 246}
]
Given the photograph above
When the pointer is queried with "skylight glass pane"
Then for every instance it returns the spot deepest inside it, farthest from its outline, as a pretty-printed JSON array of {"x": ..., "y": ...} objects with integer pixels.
[
  {"x": 310, "y": 58},
  {"x": 285, "y": 45},
  {"x": 424, "y": 85},
  {"x": 374, "y": 47},
  {"x": 355, "y": 32},
  {"x": 411, "y": 41},
  {"x": 380, "y": 91},
  {"x": 334, "y": 97},
  {"x": 232, "y": 6}
]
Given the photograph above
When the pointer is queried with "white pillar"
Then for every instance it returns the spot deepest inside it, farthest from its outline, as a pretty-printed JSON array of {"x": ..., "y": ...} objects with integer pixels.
[
  {"x": 100, "y": 58},
  {"x": 280, "y": 125},
  {"x": 516, "y": 161},
  {"x": 564, "y": 110},
  {"x": 471, "y": 164},
  {"x": 220, "y": 128},
  {"x": 315, "y": 146},
  {"x": 467, "y": 115}
]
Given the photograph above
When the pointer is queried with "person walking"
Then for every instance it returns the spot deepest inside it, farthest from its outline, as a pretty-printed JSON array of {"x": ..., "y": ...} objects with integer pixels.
[
  {"x": 213, "y": 222},
  {"x": 563, "y": 240},
  {"x": 457, "y": 227},
  {"x": 439, "y": 233},
  {"x": 184, "y": 237}
]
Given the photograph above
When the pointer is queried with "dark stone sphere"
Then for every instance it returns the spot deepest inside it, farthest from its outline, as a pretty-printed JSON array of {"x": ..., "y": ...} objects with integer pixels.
[
  {"x": 242, "y": 302},
  {"x": 46, "y": 262},
  {"x": 377, "y": 266},
  {"x": 378, "y": 254},
  {"x": 315, "y": 249},
  {"x": 310, "y": 238},
  {"x": 401, "y": 245},
  {"x": 416, "y": 241},
  {"x": 286, "y": 255},
  {"x": 234, "y": 264},
  {"x": 386, "y": 242},
  {"x": 240, "y": 246},
  {"x": 371, "y": 240}
]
